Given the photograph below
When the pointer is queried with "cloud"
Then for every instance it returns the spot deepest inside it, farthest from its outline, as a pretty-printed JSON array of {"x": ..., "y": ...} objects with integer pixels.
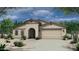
[
  {"x": 24, "y": 9},
  {"x": 38, "y": 13},
  {"x": 42, "y": 13},
  {"x": 64, "y": 19},
  {"x": 19, "y": 10},
  {"x": 11, "y": 16}
]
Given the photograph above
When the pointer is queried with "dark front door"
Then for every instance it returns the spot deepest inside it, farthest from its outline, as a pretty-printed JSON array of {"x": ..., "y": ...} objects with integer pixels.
[{"x": 31, "y": 33}]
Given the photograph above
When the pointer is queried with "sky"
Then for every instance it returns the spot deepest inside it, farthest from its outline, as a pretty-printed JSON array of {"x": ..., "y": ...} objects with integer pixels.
[{"x": 43, "y": 13}]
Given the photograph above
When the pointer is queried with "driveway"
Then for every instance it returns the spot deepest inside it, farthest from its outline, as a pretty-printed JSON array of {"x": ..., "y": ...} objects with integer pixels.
[
  {"x": 46, "y": 45},
  {"x": 40, "y": 45}
]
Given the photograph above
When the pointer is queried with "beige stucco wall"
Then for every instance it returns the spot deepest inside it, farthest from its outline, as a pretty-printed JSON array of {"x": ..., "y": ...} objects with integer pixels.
[
  {"x": 17, "y": 36},
  {"x": 52, "y": 26},
  {"x": 64, "y": 31},
  {"x": 26, "y": 29}
]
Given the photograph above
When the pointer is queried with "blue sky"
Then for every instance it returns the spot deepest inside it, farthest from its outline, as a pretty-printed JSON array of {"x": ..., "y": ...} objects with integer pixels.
[{"x": 43, "y": 13}]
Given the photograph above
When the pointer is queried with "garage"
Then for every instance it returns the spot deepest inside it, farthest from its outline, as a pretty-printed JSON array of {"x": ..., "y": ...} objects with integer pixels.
[{"x": 52, "y": 34}]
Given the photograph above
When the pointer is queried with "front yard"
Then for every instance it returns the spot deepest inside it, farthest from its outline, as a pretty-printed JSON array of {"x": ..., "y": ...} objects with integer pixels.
[{"x": 39, "y": 45}]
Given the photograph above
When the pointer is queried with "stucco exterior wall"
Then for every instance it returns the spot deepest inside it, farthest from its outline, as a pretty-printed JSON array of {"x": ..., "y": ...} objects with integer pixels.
[
  {"x": 34, "y": 26},
  {"x": 52, "y": 26},
  {"x": 64, "y": 31},
  {"x": 26, "y": 29},
  {"x": 19, "y": 34}
]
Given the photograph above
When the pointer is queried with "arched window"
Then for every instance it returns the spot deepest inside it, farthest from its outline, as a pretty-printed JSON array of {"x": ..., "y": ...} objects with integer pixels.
[{"x": 16, "y": 32}]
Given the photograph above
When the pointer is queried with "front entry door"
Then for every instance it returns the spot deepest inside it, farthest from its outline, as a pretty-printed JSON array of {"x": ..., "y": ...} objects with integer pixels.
[{"x": 31, "y": 33}]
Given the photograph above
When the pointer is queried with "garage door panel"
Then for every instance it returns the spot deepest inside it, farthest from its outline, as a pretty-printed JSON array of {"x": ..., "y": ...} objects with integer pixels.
[{"x": 51, "y": 34}]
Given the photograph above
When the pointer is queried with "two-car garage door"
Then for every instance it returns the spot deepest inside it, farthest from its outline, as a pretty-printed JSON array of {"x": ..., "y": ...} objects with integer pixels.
[{"x": 51, "y": 34}]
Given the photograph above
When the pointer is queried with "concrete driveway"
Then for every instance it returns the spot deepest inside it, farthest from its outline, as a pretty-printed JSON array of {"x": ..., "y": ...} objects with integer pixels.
[{"x": 46, "y": 45}]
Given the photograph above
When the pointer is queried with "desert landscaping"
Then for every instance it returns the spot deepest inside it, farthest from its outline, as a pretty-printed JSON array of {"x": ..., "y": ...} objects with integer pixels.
[{"x": 38, "y": 45}]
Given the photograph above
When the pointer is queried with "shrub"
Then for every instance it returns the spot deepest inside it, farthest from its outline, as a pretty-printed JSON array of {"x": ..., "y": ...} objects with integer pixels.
[
  {"x": 37, "y": 38},
  {"x": 7, "y": 41},
  {"x": 67, "y": 37},
  {"x": 2, "y": 35},
  {"x": 2, "y": 47},
  {"x": 18, "y": 44},
  {"x": 6, "y": 37},
  {"x": 72, "y": 42},
  {"x": 10, "y": 36},
  {"x": 23, "y": 37},
  {"x": 75, "y": 39},
  {"x": 64, "y": 38},
  {"x": 77, "y": 46}
]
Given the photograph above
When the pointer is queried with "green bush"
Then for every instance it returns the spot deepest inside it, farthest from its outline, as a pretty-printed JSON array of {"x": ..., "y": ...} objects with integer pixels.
[
  {"x": 18, "y": 44},
  {"x": 77, "y": 46},
  {"x": 9, "y": 36},
  {"x": 64, "y": 38},
  {"x": 6, "y": 37},
  {"x": 67, "y": 37},
  {"x": 37, "y": 38},
  {"x": 7, "y": 41},
  {"x": 72, "y": 42},
  {"x": 2, "y": 36},
  {"x": 23, "y": 37},
  {"x": 75, "y": 39},
  {"x": 2, "y": 47}
]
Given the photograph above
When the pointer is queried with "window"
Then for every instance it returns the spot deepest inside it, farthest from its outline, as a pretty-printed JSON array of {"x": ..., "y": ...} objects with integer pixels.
[{"x": 16, "y": 32}]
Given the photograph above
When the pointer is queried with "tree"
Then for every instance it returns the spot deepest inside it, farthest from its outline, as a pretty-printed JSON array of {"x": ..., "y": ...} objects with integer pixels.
[
  {"x": 7, "y": 26},
  {"x": 16, "y": 23},
  {"x": 72, "y": 27},
  {"x": 69, "y": 10}
]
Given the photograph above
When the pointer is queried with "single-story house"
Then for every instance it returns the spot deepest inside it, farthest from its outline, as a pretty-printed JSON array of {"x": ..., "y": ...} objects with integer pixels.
[{"x": 39, "y": 29}]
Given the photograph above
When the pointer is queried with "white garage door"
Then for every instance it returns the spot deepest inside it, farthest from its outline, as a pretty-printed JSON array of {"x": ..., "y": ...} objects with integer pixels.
[{"x": 51, "y": 34}]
